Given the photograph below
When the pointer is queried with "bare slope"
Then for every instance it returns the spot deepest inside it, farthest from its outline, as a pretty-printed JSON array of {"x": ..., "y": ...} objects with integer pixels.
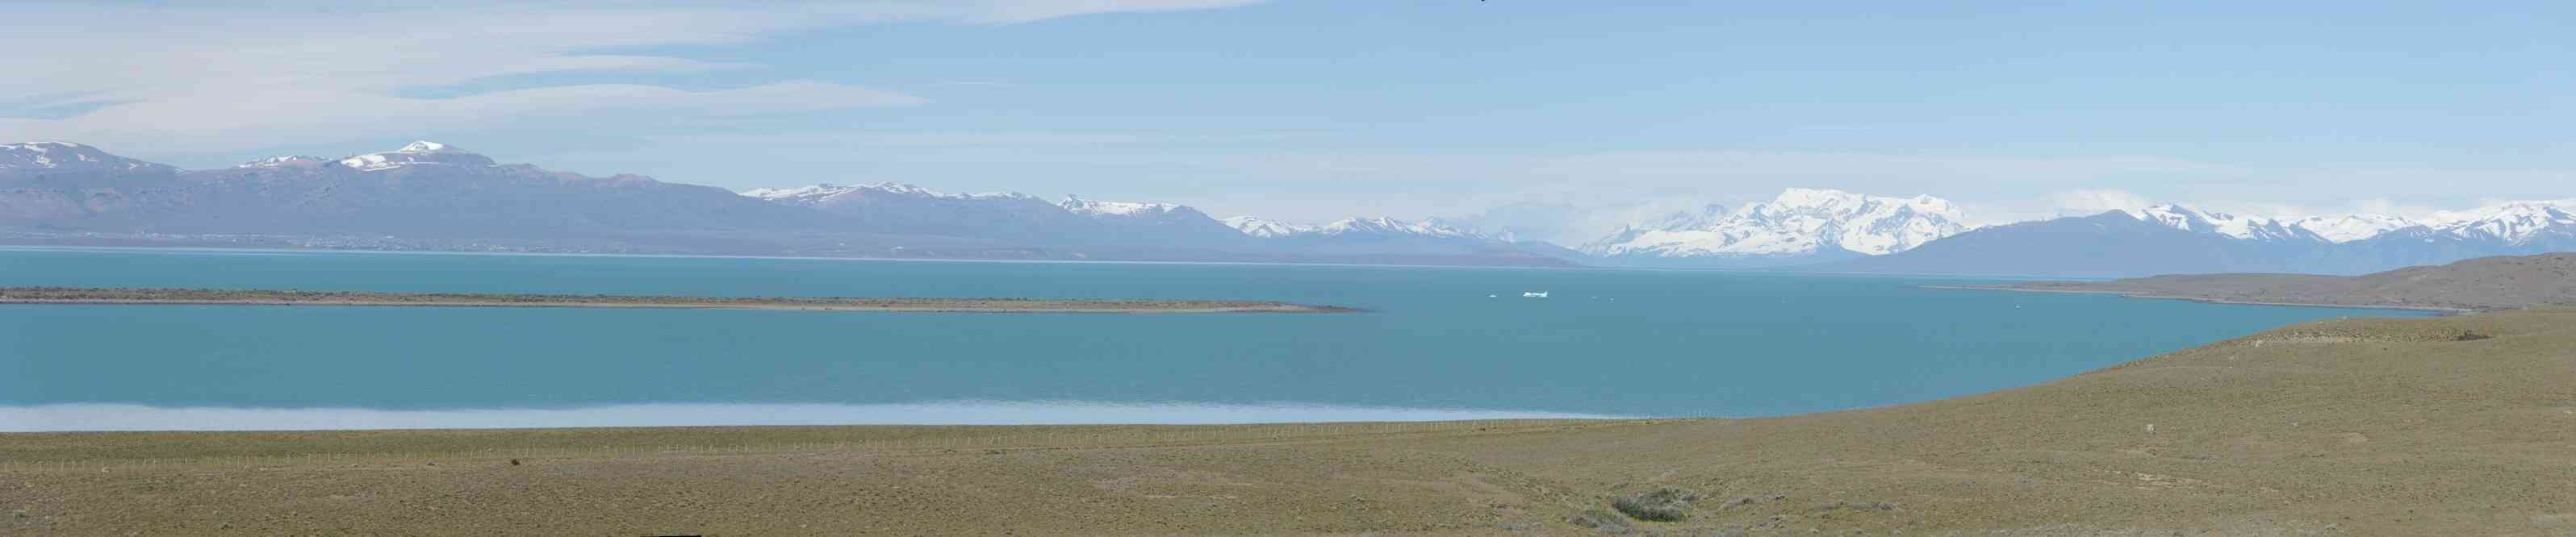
[
  {"x": 2487, "y": 283},
  {"x": 2355, "y": 426}
]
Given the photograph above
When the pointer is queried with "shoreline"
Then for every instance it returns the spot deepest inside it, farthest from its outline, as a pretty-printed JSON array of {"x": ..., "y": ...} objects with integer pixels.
[
  {"x": 230, "y": 297},
  {"x": 2204, "y": 300},
  {"x": 144, "y": 418}
]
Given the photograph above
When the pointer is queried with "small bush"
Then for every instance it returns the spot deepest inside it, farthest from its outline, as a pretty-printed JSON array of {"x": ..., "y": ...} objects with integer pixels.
[
  {"x": 1599, "y": 521},
  {"x": 1661, "y": 505}
]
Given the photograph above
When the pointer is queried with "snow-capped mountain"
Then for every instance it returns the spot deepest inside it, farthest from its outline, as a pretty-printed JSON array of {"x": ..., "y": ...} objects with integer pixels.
[
  {"x": 2348, "y": 228},
  {"x": 2169, "y": 239},
  {"x": 1800, "y": 224},
  {"x": 434, "y": 196},
  {"x": 2248, "y": 228},
  {"x": 818, "y": 193},
  {"x": 428, "y": 195},
  {"x": 2504, "y": 224},
  {"x": 1353, "y": 227},
  {"x": 1391, "y": 227},
  {"x": 2512, "y": 223},
  {"x": 287, "y": 161},
  {"x": 1167, "y": 223},
  {"x": 1146, "y": 226},
  {"x": 905, "y": 209},
  {"x": 67, "y": 156},
  {"x": 1122, "y": 209},
  {"x": 1391, "y": 240},
  {"x": 307, "y": 197},
  {"x": 417, "y": 154},
  {"x": 1266, "y": 228}
]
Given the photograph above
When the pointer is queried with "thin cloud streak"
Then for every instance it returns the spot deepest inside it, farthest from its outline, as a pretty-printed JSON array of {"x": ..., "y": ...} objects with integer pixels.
[{"x": 204, "y": 80}]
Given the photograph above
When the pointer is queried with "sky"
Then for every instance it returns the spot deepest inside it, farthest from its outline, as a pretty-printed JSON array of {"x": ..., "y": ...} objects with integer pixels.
[{"x": 1318, "y": 110}]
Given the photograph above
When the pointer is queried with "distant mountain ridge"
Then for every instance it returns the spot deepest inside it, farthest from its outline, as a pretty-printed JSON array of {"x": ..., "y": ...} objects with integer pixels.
[
  {"x": 2506, "y": 223},
  {"x": 463, "y": 197},
  {"x": 48, "y": 157},
  {"x": 428, "y": 195},
  {"x": 2169, "y": 239},
  {"x": 2254, "y": 229},
  {"x": 1078, "y": 220},
  {"x": 1390, "y": 238},
  {"x": 1265, "y": 228}
]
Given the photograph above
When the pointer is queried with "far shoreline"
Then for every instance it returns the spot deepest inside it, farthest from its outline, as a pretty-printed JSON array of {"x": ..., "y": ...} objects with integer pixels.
[
  {"x": 228, "y": 250},
  {"x": 2203, "y": 300},
  {"x": 257, "y": 297}
]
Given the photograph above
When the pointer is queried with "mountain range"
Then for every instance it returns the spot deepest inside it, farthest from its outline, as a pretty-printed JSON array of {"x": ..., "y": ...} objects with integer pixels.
[
  {"x": 2170, "y": 239},
  {"x": 431, "y": 196}
]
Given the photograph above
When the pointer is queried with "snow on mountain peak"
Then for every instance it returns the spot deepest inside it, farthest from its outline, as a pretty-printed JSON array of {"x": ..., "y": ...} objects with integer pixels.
[
  {"x": 1264, "y": 228},
  {"x": 2250, "y": 228},
  {"x": 1259, "y": 227},
  {"x": 285, "y": 161},
  {"x": 1117, "y": 208},
  {"x": 1800, "y": 221},
  {"x": 417, "y": 153},
  {"x": 67, "y": 156},
  {"x": 794, "y": 194},
  {"x": 2183, "y": 218},
  {"x": 2353, "y": 227},
  {"x": 2511, "y": 222},
  {"x": 820, "y": 192},
  {"x": 1390, "y": 226},
  {"x": 43, "y": 146}
]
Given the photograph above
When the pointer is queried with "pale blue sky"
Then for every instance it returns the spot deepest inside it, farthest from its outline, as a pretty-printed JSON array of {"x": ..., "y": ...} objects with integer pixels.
[{"x": 1320, "y": 109}]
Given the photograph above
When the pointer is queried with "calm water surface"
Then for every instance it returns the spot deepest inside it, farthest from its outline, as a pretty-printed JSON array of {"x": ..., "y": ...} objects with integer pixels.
[{"x": 1441, "y": 343}]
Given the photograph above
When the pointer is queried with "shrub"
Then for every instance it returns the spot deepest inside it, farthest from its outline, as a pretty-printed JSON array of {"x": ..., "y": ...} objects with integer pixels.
[
  {"x": 1599, "y": 521},
  {"x": 1662, "y": 505}
]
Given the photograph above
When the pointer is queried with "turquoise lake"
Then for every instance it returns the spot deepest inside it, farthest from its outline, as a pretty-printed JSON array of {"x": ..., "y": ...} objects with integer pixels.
[{"x": 1439, "y": 343}]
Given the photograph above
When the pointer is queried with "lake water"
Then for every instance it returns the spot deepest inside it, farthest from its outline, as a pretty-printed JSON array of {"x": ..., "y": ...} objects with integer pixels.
[{"x": 1441, "y": 343}]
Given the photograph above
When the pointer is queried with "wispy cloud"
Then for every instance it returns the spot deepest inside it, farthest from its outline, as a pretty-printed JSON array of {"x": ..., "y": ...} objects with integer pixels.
[
  {"x": 285, "y": 115},
  {"x": 1008, "y": 11},
  {"x": 205, "y": 79}
]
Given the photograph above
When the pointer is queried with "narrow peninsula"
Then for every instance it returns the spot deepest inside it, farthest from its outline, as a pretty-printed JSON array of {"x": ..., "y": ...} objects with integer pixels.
[
  {"x": 2482, "y": 284},
  {"x": 255, "y": 297}
]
